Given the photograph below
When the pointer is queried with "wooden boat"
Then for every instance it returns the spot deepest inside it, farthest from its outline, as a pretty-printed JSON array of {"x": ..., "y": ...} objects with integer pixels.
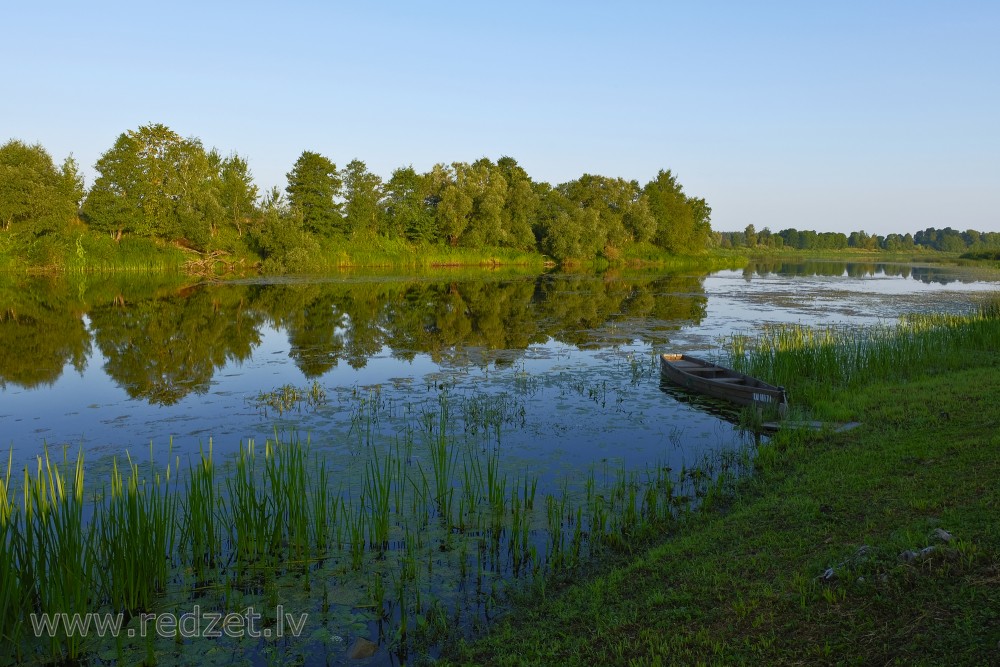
[{"x": 711, "y": 379}]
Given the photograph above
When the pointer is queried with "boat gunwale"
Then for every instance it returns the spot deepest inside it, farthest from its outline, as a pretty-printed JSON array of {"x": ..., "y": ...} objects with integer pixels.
[{"x": 752, "y": 391}]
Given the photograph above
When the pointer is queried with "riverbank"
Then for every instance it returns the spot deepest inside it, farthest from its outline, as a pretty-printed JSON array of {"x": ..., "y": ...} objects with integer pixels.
[
  {"x": 76, "y": 250},
  {"x": 875, "y": 546}
]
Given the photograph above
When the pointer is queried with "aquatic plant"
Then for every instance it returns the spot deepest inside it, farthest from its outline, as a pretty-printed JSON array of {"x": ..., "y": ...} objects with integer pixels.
[
  {"x": 811, "y": 362},
  {"x": 434, "y": 508}
]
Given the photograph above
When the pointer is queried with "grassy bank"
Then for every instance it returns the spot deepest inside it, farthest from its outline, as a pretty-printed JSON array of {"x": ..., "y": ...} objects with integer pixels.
[
  {"x": 76, "y": 251},
  {"x": 876, "y": 546}
]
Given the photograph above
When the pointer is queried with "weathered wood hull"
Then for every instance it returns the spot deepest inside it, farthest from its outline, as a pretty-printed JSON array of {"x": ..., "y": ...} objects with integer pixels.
[{"x": 711, "y": 379}]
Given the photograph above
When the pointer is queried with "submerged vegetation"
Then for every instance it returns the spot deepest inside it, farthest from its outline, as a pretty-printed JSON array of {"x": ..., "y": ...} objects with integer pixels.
[
  {"x": 422, "y": 536},
  {"x": 874, "y": 546},
  {"x": 417, "y": 526}
]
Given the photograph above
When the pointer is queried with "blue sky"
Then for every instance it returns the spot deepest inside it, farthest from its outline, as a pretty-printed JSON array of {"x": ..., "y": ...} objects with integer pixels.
[{"x": 834, "y": 116}]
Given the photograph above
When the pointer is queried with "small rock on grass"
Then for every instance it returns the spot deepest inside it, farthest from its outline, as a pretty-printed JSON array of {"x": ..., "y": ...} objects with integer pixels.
[{"x": 943, "y": 535}]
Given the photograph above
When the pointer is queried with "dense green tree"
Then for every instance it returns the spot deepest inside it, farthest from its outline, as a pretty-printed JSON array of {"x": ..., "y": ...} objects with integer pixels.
[
  {"x": 616, "y": 202},
  {"x": 237, "y": 192},
  {"x": 35, "y": 196},
  {"x": 638, "y": 218},
  {"x": 764, "y": 238},
  {"x": 521, "y": 204},
  {"x": 486, "y": 188},
  {"x": 314, "y": 188},
  {"x": 363, "y": 208},
  {"x": 280, "y": 237},
  {"x": 567, "y": 230},
  {"x": 682, "y": 223},
  {"x": 154, "y": 183},
  {"x": 453, "y": 201},
  {"x": 409, "y": 205}
]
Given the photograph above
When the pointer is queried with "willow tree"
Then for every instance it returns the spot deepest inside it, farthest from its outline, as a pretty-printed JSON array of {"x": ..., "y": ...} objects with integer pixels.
[
  {"x": 454, "y": 203},
  {"x": 486, "y": 189},
  {"x": 521, "y": 204}
]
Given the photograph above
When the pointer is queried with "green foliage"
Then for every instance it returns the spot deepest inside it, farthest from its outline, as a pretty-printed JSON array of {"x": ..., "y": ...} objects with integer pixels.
[
  {"x": 567, "y": 230},
  {"x": 409, "y": 206},
  {"x": 237, "y": 192},
  {"x": 521, "y": 204},
  {"x": 682, "y": 222},
  {"x": 609, "y": 199},
  {"x": 154, "y": 184},
  {"x": 314, "y": 184},
  {"x": 36, "y": 197},
  {"x": 454, "y": 201},
  {"x": 363, "y": 192}
]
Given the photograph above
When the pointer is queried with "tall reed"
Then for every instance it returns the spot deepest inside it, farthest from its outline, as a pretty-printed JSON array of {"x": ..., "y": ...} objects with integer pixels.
[
  {"x": 57, "y": 550},
  {"x": 201, "y": 534},
  {"x": 810, "y": 362},
  {"x": 136, "y": 533}
]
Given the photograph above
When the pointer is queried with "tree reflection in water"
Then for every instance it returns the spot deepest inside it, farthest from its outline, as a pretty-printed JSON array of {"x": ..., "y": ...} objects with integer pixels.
[{"x": 162, "y": 340}]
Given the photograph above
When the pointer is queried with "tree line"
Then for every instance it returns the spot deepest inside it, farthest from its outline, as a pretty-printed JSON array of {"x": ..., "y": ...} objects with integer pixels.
[
  {"x": 154, "y": 184},
  {"x": 944, "y": 240}
]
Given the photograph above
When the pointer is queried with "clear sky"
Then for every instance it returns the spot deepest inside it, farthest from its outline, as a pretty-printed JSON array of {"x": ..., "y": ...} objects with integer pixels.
[{"x": 835, "y": 116}]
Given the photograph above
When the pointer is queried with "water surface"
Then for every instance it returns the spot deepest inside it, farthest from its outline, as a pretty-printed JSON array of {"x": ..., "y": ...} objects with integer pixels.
[{"x": 114, "y": 364}]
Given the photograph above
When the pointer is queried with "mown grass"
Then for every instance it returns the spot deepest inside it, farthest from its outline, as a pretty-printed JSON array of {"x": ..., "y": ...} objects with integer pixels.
[{"x": 831, "y": 552}]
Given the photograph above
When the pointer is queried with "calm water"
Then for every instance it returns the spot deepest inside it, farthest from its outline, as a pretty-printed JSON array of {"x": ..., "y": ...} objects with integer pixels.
[
  {"x": 117, "y": 364},
  {"x": 563, "y": 366}
]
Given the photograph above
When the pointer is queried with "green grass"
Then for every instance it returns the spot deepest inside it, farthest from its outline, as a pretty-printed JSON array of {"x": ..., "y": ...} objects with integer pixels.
[
  {"x": 806, "y": 561},
  {"x": 741, "y": 581},
  {"x": 816, "y": 366},
  {"x": 431, "y": 511}
]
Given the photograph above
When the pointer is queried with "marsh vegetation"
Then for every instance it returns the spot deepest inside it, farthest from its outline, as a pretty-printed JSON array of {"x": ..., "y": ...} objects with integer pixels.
[
  {"x": 418, "y": 539},
  {"x": 398, "y": 457}
]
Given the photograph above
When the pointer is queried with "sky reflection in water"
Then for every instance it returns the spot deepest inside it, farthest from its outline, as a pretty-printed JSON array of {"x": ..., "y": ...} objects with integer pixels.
[{"x": 114, "y": 367}]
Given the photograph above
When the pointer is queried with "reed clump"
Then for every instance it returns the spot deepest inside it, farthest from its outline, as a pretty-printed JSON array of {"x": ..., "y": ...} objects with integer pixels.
[
  {"x": 428, "y": 515},
  {"x": 813, "y": 362}
]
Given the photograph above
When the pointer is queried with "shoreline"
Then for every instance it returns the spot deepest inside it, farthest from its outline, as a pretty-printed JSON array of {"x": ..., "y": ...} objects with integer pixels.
[{"x": 871, "y": 546}]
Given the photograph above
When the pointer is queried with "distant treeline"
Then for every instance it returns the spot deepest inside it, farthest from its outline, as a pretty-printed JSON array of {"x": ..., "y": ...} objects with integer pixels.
[
  {"x": 986, "y": 244},
  {"x": 154, "y": 184}
]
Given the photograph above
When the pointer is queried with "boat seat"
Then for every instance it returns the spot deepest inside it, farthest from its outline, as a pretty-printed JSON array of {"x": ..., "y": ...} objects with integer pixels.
[{"x": 733, "y": 380}]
